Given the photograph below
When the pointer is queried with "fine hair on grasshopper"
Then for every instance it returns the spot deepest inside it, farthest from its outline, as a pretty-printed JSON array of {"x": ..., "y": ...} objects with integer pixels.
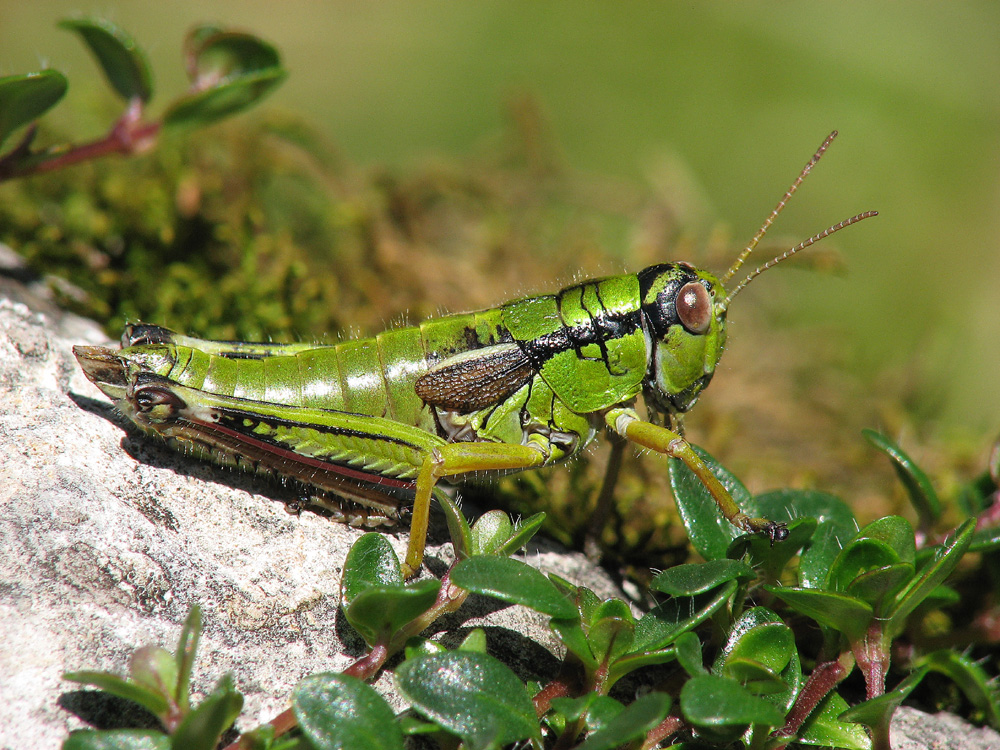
[{"x": 371, "y": 425}]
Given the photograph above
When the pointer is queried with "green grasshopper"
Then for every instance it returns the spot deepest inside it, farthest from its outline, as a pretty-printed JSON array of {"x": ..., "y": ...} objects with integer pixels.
[{"x": 373, "y": 424}]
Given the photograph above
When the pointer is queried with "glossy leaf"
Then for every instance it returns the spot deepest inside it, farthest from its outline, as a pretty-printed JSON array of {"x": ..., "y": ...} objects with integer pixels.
[
  {"x": 187, "y": 647},
  {"x": 710, "y": 533},
  {"x": 876, "y": 713},
  {"x": 843, "y": 613},
  {"x": 215, "y": 54},
  {"x": 370, "y": 562},
  {"x": 970, "y": 677},
  {"x": 879, "y": 587},
  {"x": 770, "y": 559},
  {"x": 117, "y": 739},
  {"x": 154, "y": 668},
  {"x": 218, "y": 102},
  {"x": 761, "y": 654},
  {"x": 896, "y": 532},
  {"x": 929, "y": 576},
  {"x": 122, "y": 60},
  {"x": 611, "y": 632},
  {"x": 570, "y": 632},
  {"x": 918, "y": 485},
  {"x": 836, "y": 527},
  {"x": 632, "y": 724},
  {"x": 861, "y": 555},
  {"x": 379, "y": 611},
  {"x": 658, "y": 628},
  {"x": 513, "y": 581},
  {"x": 472, "y": 695},
  {"x": 336, "y": 712},
  {"x": 696, "y": 578},
  {"x": 458, "y": 526},
  {"x": 523, "y": 532},
  {"x": 204, "y": 724},
  {"x": 490, "y": 531},
  {"x": 722, "y": 709},
  {"x": 151, "y": 700},
  {"x": 689, "y": 656},
  {"x": 25, "y": 98},
  {"x": 824, "y": 727}
]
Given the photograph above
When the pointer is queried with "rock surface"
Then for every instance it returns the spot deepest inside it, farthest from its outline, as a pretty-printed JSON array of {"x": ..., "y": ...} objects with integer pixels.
[{"x": 107, "y": 539}]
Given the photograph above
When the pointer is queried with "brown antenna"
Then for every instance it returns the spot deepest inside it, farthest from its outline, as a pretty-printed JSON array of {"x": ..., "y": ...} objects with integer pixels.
[{"x": 741, "y": 258}]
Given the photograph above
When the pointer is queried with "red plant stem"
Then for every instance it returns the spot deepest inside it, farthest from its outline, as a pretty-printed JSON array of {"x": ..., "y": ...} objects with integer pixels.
[
  {"x": 128, "y": 136},
  {"x": 824, "y": 678},
  {"x": 661, "y": 731},
  {"x": 872, "y": 656}
]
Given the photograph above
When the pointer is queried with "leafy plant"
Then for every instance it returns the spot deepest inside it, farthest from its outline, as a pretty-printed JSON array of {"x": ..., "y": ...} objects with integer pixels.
[
  {"x": 229, "y": 72},
  {"x": 751, "y": 608}
]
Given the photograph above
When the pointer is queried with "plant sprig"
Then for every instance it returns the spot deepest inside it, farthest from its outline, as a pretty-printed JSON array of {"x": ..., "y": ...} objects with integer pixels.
[{"x": 229, "y": 71}]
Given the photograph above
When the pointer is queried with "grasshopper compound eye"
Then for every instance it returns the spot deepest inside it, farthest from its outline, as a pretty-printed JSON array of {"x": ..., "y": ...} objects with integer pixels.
[{"x": 694, "y": 307}]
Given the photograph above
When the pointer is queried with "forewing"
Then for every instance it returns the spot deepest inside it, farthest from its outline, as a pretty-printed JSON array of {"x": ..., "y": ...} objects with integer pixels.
[{"x": 476, "y": 379}]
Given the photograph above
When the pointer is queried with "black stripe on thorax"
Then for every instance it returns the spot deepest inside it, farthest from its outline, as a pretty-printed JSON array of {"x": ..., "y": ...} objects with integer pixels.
[{"x": 602, "y": 326}]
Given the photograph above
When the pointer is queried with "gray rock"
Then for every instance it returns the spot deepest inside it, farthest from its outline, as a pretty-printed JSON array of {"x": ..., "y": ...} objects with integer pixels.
[{"x": 108, "y": 538}]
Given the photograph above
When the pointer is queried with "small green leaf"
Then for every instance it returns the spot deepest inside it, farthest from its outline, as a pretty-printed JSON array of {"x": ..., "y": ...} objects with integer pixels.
[
  {"x": 472, "y": 695},
  {"x": 836, "y": 527},
  {"x": 843, "y": 613},
  {"x": 970, "y": 677},
  {"x": 204, "y": 725},
  {"x": 928, "y": 577},
  {"x": 569, "y": 631},
  {"x": 25, "y": 98},
  {"x": 379, "y": 611},
  {"x": 154, "y": 668},
  {"x": 632, "y": 724},
  {"x": 658, "y": 628},
  {"x": 490, "y": 531},
  {"x": 876, "y": 714},
  {"x": 896, "y": 532},
  {"x": 187, "y": 648},
  {"x": 117, "y": 739},
  {"x": 862, "y": 554},
  {"x": 122, "y": 60},
  {"x": 513, "y": 581},
  {"x": 154, "y": 702},
  {"x": 770, "y": 559},
  {"x": 825, "y": 729},
  {"x": 523, "y": 532},
  {"x": 689, "y": 656},
  {"x": 916, "y": 482},
  {"x": 760, "y": 653},
  {"x": 474, "y": 641},
  {"x": 722, "y": 709},
  {"x": 878, "y": 587},
  {"x": 215, "y": 54},
  {"x": 611, "y": 636},
  {"x": 690, "y": 579},
  {"x": 370, "y": 562},
  {"x": 218, "y": 102},
  {"x": 576, "y": 708},
  {"x": 336, "y": 712},
  {"x": 710, "y": 533},
  {"x": 458, "y": 526}
]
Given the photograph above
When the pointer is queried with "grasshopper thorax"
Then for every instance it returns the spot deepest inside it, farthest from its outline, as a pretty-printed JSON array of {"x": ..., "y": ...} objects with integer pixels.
[{"x": 685, "y": 327}]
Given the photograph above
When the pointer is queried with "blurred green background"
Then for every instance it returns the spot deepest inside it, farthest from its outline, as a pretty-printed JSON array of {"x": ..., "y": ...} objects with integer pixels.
[{"x": 720, "y": 103}]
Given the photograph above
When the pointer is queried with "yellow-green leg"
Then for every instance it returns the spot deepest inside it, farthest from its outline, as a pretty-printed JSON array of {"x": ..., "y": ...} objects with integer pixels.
[
  {"x": 451, "y": 460},
  {"x": 626, "y": 422}
]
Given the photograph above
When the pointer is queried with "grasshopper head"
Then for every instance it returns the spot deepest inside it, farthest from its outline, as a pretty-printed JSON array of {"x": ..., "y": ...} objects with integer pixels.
[{"x": 684, "y": 321}]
